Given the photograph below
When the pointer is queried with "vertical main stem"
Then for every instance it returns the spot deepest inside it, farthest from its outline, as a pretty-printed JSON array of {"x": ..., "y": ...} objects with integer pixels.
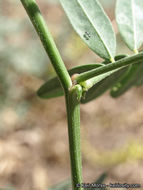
[
  {"x": 46, "y": 38},
  {"x": 73, "y": 114},
  {"x": 72, "y": 94}
]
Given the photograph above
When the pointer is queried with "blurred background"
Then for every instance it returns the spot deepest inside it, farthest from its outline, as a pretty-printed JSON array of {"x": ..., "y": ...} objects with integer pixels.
[{"x": 33, "y": 132}]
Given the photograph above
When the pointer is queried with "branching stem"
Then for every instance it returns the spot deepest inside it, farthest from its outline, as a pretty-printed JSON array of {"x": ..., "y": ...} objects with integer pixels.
[
  {"x": 110, "y": 67},
  {"x": 72, "y": 93}
]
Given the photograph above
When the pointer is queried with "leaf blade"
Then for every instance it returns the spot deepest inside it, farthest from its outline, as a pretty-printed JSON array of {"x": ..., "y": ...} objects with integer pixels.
[
  {"x": 130, "y": 78},
  {"x": 65, "y": 185},
  {"x": 100, "y": 180},
  {"x": 129, "y": 18},
  {"x": 140, "y": 81},
  {"x": 102, "y": 86},
  {"x": 52, "y": 88},
  {"x": 86, "y": 20}
]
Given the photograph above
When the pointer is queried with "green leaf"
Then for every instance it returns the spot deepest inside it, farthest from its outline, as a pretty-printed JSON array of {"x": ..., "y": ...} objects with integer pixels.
[
  {"x": 86, "y": 85},
  {"x": 65, "y": 185},
  {"x": 100, "y": 180},
  {"x": 102, "y": 86},
  {"x": 129, "y": 79},
  {"x": 52, "y": 88},
  {"x": 139, "y": 82},
  {"x": 118, "y": 57},
  {"x": 129, "y": 16},
  {"x": 93, "y": 26}
]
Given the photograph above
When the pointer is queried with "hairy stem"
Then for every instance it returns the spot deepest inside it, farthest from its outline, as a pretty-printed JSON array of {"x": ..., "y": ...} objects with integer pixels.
[
  {"x": 73, "y": 114},
  {"x": 86, "y": 85},
  {"x": 72, "y": 94},
  {"x": 47, "y": 41},
  {"x": 110, "y": 67}
]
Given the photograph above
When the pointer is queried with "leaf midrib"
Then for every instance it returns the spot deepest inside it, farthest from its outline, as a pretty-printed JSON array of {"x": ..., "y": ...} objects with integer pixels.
[{"x": 109, "y": 53}]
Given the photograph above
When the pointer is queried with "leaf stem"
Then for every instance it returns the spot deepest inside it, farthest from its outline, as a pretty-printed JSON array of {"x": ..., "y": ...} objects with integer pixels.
[
  {"x": 46, "y": 38},
  {"x": 73, "y": 114},
  {"x": 86, "y": 85},
  {"x": 134, "y": 59}
]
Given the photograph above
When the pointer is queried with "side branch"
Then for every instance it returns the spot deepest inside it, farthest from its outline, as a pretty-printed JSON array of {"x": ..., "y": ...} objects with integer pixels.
[{"x": 110, "y": 67}]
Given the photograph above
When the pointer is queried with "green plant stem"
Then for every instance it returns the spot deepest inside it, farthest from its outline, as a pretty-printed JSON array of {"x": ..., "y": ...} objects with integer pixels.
[
  {"x": 92, "y": 81},
  {"x": 47, "y": 41},
  {"x": 72, "y": 94},
  {"x": 73, "y": 114},
  {"x": 110, "y": 67}
]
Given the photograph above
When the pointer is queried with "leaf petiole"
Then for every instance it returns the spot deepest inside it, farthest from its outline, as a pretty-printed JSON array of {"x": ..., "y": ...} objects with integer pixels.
[{"x": 134, "y": 59}]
